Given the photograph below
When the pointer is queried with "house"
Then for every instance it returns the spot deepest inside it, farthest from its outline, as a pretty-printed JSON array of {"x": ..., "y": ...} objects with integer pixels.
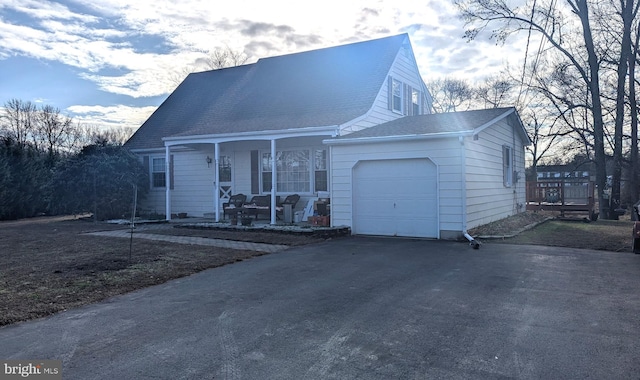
[{"x": 352, "y": 121}]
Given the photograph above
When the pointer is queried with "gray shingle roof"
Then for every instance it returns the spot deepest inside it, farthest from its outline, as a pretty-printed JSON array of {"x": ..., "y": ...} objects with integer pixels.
[
  {"x": 432, "y": 123},
  {"x": 317, "y": 88}
]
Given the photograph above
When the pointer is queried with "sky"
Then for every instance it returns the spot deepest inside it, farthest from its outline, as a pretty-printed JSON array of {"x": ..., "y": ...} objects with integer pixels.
[{"x": 111, "y": 63}]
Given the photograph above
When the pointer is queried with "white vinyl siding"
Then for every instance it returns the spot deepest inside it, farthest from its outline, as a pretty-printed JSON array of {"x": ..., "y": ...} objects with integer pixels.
[
  {"x": 488, "y": 199},
  {"x": 404, "y": 70}
]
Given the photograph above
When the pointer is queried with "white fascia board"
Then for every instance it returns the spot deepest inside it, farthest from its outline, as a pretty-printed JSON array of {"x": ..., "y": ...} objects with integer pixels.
[
  {"x": 157, "y": 150},
  {"x": 493, "y": 121},
  {"x": 510, "y": 112},
  {"x": 147, "y": 150},
  {"x": 254, "y": 135},
  {"x": 379, "y": 139}
]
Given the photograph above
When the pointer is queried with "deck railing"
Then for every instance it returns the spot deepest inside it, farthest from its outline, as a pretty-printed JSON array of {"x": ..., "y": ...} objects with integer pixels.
[{"x": 562, "y": 195}]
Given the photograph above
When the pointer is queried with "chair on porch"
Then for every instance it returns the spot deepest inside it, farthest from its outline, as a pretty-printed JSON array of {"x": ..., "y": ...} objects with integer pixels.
[
  {"x": 289, "y": 200},
  {"x": 234, "y": 206},
  {"x": 259, "y": 205}
]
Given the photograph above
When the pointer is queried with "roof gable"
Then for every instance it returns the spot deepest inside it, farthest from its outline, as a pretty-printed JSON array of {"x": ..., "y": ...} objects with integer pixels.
[{"x": 322, "y": 87}]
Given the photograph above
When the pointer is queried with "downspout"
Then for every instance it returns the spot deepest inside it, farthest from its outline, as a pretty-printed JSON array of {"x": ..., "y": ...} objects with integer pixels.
[
  {"x": 216, "y": 186},
  {"x": 463, "y": 183},
  {"x": 167, "y": 182}
]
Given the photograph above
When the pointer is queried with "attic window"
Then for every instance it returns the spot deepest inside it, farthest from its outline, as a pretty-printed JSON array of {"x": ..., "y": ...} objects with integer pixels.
[{"x": 396, "y": 93}]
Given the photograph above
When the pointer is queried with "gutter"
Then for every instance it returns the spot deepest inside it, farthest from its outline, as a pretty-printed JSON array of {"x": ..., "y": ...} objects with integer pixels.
[
  {"x": 252, "y": 135},
  {"x": 377, "y": 139}
]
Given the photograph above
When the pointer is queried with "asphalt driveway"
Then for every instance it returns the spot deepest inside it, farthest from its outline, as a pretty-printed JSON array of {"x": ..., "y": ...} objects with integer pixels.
[{"x": 363, "y": 308}]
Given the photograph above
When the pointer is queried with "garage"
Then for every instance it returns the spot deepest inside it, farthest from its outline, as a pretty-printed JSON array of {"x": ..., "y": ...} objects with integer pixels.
[{"x": 395, "y": 197}]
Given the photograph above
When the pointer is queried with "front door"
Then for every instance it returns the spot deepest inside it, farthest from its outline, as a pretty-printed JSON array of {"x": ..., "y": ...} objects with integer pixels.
[{"x": 226, "y": 179}]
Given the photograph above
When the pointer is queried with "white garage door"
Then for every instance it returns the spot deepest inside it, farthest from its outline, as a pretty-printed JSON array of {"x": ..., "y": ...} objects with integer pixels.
[{"x": 395, "y": 198}]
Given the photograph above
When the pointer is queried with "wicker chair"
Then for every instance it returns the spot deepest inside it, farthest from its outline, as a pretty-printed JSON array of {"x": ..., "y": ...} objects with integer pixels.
[{"x": 234, "y": 206}]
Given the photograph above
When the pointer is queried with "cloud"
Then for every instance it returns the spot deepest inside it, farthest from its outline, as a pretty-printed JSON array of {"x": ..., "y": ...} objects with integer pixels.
[
  {"x": 134, "y": 48},
  {"x": 45, "y": 10},
  {"x": 111, "y": 116},
  {"x": 253, "y": 29}
]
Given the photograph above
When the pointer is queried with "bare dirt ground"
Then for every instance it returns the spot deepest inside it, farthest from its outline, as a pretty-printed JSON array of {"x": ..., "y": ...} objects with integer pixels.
[{"x": 49, "y": 264}]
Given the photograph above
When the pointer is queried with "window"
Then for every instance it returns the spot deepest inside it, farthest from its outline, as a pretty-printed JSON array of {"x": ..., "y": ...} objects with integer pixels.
[
  {"x": 299, "y": 171},
  {"x": 507, "y": 166},
  {"x": 415, "y": 102},
  {"x": 396, "y": 93},
  {"x": 158, "y": 172},
  {"x": 225, "y": 168},
  {"x": 320, "y": 174}
]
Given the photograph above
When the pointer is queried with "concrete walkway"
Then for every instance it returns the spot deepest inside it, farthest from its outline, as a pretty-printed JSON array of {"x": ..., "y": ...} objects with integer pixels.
[{"x": 232, "y": 244}]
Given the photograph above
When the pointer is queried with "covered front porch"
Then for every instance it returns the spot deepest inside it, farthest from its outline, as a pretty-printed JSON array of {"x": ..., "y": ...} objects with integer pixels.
[{"x": 201, "y": 173}]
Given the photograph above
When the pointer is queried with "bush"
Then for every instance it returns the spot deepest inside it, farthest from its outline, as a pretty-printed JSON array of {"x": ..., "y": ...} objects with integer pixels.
[{"x": 100, "y": 179}]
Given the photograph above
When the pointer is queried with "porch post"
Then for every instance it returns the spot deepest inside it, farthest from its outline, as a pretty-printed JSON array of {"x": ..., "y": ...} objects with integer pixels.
[
  {"x": 167, "y": 182},
  {"x": 274, "y": 175},
  {"x": 216, "y": 181}
]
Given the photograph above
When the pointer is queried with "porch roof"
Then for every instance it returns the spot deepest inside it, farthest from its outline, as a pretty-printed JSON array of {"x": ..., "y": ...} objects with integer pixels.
[{"x": 325, "y": 87}]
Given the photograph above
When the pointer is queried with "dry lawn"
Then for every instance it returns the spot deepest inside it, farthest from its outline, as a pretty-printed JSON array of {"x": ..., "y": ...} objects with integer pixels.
[
  {"x": 47, "y": 266},
  {"x": 574, "y": 232}
]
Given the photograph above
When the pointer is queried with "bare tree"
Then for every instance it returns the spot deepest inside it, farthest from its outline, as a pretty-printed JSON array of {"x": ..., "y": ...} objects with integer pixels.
[
  {"x": 18, "y": 121},
  {"x": 450, "y": 95},
  {"x": 555, "y": 25},
  {"x": 635, "y": 185},
  {"x": 214, "y": 60},
  {"x": 221, "y": 58},
  {"x": 52, "y": 131},
  {"x": 496, "y": 92}
]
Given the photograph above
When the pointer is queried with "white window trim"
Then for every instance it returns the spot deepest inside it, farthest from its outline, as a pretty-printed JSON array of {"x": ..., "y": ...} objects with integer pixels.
[
  {"x": 507, "y": 175},
  {"x": 312, "y": 170},
  {"x": 152, "y": 172},
  {"x": 419, "y": 101},
  {"x": 393, "y": 109}
]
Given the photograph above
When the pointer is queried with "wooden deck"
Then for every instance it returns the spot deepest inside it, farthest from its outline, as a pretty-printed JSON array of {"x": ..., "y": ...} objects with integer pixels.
[{"x": 562, "y": 195}]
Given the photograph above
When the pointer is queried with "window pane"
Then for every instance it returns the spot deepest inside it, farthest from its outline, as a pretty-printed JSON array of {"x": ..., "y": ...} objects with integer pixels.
[
  {"x": 266, "y": 162},
  {"x": 321, "y": 159},
  {"x": 159, "y": 180},
  {"x": 321, "y": 180},
  {"x": 293, "y": 168},
  {"x": 415, "y": 101},
  {"x": 158, "y": 167},
  {"x": 293, "y": 171},
  {"x": 397, "y": 95},
  {"x": 266, "y": 182},
  {"x": 225, "y": 169}
]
